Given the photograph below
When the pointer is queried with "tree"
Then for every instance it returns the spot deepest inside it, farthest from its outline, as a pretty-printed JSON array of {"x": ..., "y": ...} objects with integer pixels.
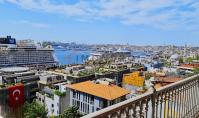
[
  {"x": 34, "y": 110},
  {"x": 189, "y": 59},
  {"x": 197, "y": 57},
  {"x": 196, "y": 70},
  {"x": 181, "y": 60},
  {"x": 148, "y": 76},
  {"x": 71, "y": 112}
]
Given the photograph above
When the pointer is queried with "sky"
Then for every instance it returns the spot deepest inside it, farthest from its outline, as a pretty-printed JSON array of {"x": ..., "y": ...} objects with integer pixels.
[{"x": 135, "y": 22}]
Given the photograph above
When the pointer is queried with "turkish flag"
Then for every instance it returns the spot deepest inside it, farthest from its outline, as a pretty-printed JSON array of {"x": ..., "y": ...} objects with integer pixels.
[{"x": 16, "y": 95}]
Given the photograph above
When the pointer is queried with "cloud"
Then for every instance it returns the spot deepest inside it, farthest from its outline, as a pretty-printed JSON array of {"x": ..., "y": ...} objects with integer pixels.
[
  {"x": 166, "y": 14},
  {"x": 33, "y": 24}
]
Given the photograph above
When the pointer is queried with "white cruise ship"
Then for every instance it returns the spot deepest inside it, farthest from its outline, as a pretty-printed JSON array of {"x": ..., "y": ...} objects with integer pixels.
[{"x": 24, "y": 53}]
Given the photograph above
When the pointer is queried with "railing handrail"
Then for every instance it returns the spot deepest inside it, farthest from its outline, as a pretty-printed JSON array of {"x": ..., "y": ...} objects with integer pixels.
[
  {"x": 125, "y": 103},
  {"x": 118, "y": 105}
]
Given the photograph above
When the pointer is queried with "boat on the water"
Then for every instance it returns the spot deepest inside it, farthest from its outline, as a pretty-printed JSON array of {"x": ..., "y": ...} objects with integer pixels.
[{"x": 24, "y": 53}]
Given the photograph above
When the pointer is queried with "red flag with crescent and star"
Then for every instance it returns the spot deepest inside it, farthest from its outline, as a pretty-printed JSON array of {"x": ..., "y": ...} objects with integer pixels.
[{"x": 16, "y": 95}]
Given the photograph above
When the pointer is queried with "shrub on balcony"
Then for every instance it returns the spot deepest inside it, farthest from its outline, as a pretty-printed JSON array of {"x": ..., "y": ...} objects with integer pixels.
[{"x": 61, "y": 94}]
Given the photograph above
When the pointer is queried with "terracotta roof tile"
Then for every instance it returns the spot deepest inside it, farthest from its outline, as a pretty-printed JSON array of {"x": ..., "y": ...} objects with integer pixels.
[
  {"x": 169, "y": 79},
  {"x": 109, "y": 92},
  {"x": 190, "y": 65}
]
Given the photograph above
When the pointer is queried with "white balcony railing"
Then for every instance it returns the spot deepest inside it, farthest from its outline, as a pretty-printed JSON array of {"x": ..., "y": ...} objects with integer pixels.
[{"x": 177, "y": 100}]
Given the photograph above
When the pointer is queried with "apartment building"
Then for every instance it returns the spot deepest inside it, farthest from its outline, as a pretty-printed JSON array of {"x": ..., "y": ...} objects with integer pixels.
[
  {"x": 91, "y": 96},
  {"x": 56, "y": 99}
]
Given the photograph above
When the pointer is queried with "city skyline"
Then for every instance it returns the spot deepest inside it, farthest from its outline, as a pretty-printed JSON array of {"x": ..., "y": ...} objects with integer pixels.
[
  {"x": 160, "y": 22},
  {"x": 99, "y": 58}
]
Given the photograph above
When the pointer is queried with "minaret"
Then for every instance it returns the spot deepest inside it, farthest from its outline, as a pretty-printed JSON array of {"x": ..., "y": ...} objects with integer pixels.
[{"x": 185, "y": 50}]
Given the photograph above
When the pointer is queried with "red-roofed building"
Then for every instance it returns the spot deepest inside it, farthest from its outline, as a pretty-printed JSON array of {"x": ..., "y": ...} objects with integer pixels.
[
  {"x": 189, "y": 66},
  {"x": 91, "y": 96}
]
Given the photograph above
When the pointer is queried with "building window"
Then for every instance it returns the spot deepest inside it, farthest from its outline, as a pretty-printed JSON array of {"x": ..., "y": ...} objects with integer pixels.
[
  {"x": 81, "y": 106},
  {"x": 88, "y": 108},
  {"x": 74, "y": 102},
  {"x": 52, "y": 105},
  {"x": 74, "y": 93},
  {"x": 101, "y": 104},
  {"x": 92, "y": 100},
  {"x": 85, "y": 108},
  {"x": 77, "y": 95},
  {"x": 93, "y": 109},
  {"x": 84, "y": 97},
  {"x": 78, "y": 103}
]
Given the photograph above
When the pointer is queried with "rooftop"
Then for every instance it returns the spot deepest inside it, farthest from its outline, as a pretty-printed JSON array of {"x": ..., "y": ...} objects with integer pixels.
[
  {"x": 109, "y": 92},
  {"x": 14, "y": 69},
  {"x": 169, "y": 79},
  {"x": 190, "y": 65}
]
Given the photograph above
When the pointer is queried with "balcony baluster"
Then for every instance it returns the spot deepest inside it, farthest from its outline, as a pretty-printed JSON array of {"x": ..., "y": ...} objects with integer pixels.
[{"x": 177, "y": 100}]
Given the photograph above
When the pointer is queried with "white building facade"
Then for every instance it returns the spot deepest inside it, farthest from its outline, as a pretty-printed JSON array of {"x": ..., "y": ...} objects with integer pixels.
[{"x": 54, "y": 103}]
